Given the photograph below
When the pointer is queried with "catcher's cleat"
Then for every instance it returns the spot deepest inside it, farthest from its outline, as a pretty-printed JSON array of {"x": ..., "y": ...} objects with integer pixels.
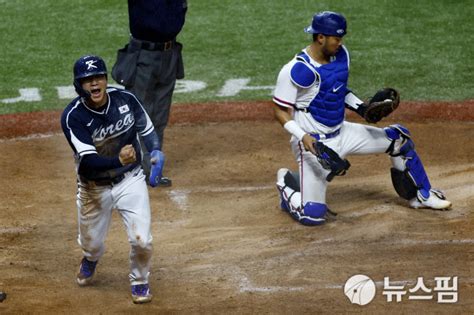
[
  {"x": 280, "y": 186},
  {"x": 86, "y": 272},
  {"x": 141, "y": 293},
  {"x": 436, "y": 200}
]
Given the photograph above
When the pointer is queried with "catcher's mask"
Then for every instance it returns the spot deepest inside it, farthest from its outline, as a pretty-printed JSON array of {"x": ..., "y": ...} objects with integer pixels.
[
  {"x": 87, "y": 66},
  {"x": 328, "y": 23}
]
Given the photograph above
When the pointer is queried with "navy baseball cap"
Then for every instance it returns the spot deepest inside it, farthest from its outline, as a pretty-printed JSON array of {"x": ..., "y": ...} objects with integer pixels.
[{"x": 328, "y": 23}]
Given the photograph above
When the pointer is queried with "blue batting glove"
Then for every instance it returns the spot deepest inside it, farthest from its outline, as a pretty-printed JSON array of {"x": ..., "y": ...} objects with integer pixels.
[{"x": 157, "y": 160}]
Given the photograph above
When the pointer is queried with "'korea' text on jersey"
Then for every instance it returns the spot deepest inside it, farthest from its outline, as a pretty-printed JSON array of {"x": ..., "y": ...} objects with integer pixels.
[{"x": 106, "y": 130}]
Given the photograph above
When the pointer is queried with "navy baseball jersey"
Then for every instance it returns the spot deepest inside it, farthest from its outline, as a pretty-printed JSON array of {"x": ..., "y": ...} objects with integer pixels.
[
  {"x": 106, "y": 130},
  {"x": 156, "y": 20}
]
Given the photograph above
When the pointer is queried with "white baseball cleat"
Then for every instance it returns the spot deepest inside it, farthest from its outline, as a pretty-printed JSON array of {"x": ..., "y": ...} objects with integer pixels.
[{"x": 436, "y": 200}]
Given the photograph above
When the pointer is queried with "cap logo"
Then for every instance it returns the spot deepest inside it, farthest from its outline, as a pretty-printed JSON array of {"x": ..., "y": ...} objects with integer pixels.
[
  {"x": 90, "y": 64},
  {"x": 340, "y": 31}
]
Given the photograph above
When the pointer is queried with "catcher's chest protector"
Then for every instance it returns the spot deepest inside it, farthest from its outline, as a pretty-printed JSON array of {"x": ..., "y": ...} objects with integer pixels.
[{"x": 328, "y": 106}]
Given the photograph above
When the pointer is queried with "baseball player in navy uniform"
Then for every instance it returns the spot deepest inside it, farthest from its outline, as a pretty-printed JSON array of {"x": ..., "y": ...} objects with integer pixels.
[
  {"x": 311, "y": 95},
  {"x": 102, "y": 126}
]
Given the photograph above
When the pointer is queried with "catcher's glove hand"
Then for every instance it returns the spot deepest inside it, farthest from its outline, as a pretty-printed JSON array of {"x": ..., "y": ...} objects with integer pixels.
[
  {"x": 382, "y": 104},
  {"x": 330, "y": 160}
]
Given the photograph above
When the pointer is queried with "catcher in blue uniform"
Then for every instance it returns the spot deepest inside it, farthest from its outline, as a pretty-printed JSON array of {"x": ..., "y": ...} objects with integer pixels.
[
  {"x": 310, "y": 98},
  {"x": 102, "y": 126}
]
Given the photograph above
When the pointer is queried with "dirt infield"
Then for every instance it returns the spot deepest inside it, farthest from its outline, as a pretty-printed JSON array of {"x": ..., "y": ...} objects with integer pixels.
[
  {"x": 221, "y": 243},
  {"x": 25, "y": 124}
]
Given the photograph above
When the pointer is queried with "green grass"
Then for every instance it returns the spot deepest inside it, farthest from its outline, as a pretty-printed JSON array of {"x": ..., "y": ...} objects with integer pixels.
[{"x": 424, "y": 48}]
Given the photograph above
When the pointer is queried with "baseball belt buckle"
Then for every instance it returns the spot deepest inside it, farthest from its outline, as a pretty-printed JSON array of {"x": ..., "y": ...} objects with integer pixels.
[{"x": 168, "y": 45}]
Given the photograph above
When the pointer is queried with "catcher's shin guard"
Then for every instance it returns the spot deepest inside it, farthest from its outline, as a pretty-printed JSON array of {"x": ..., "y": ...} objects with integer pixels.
[
  {"x": 290, "y": 201},
  {"x": 411, "y": 180},
  {"x": 313, "y": 213}
]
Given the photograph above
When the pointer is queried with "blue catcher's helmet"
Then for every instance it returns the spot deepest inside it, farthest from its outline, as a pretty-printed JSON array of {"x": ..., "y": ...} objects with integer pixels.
[
  {"x": 327, "y": 23},
  {"x": 87, "y": 66}
]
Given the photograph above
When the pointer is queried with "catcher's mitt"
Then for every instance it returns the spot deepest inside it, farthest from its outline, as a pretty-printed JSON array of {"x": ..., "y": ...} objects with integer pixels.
[
  {"x": 330, "y": 160},
  {"x": 382, "y": 104}
]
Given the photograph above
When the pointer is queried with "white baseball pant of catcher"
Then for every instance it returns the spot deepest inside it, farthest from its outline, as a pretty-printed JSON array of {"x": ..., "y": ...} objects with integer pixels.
[{"x": 353, "y": 139}]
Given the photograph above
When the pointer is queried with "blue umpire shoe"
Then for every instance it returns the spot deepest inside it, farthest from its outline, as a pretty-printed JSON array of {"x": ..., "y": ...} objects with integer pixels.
[
  {"x": 86, "y": 272},
  {"x": 141, "y": 293}
]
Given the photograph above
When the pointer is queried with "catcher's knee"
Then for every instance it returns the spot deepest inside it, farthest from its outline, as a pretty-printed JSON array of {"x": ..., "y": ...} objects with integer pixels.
[
  {"x": 413, "y": 177},
  {"x": 400, "y": 138},
  {"x": 313, "y": 213}
]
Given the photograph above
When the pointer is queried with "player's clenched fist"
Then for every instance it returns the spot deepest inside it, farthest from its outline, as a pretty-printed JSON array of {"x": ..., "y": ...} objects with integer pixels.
[{"x": 127, "y": 155}]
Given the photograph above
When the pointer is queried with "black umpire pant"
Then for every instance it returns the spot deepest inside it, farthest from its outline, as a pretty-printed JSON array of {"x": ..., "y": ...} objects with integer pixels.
[{"x": 152, "y": 80}]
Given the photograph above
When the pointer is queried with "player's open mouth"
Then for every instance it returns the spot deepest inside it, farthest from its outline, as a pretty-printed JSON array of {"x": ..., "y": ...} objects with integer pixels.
[{"x": 95, "y": 92}]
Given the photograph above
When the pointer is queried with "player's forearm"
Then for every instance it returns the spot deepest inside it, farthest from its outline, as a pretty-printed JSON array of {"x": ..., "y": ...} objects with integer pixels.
[
  {"x": 354, "y": 103},
  {"x": 98, "y": 163},
  {"x": 152, "y": 142},
  {"x": 285, "y": 119},
  {"x": 281, "y": 114}
]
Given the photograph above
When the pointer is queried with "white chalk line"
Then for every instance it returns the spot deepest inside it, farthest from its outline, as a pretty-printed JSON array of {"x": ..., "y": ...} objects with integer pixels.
[
  {"x": 15, "y": 230},
  {"x": 246, "y": 286},
  {"x": 212, "y": 189},
  {"x": 31, "y": 137},
  {"x": 180, "y": 196},
  {"x": 404, "y": 241},
  {"x": 432, "y": 242},
  {"x": 382, "y": 208}
]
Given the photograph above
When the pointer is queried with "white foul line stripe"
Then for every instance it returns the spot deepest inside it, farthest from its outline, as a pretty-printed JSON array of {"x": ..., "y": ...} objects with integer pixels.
[
  {"x": 180, "y": 196},
  {"x": 31, "y": 137},
  {"x": 245, "y": 286}
]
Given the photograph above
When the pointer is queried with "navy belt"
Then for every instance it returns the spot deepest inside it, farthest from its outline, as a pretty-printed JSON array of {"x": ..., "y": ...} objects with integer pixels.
[
  {"x": 108, "y": 182},
  {"x": 304, "y": 110},
  {"x": 103, "y": 182},
  {"x": 324, "y": 136},
  {"x": 144, "y": 44}
]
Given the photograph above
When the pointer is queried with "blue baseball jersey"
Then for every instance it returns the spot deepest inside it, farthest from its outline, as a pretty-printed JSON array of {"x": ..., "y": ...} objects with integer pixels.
[
  {"x": 317, "y": 91},
  {"x": 106, "y": 130}
]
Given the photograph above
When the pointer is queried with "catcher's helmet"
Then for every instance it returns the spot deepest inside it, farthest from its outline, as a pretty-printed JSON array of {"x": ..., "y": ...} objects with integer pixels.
[
  {"x": 87, "y": 66},
  {"x": 327, "y": 23}
]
